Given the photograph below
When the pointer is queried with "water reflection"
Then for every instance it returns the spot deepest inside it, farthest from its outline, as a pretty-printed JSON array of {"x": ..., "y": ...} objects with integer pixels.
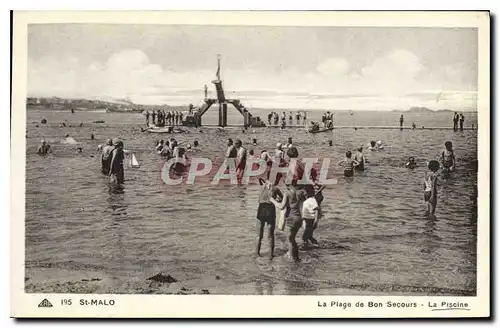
[
  {"x": 431, "y": 239},
  {"x": 115, "y": 227}
]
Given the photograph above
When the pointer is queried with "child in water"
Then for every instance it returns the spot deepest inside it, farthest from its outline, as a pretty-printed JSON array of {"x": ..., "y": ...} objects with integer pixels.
[
  {"x": 430, "y": 187},
  {"x": 266, "y": 213},
  {"x": 348, "y": 163},
  {"x": 411, "y": 163},
  {"x": 448, "y": 157},
  {"x": 311, "y": 214}
]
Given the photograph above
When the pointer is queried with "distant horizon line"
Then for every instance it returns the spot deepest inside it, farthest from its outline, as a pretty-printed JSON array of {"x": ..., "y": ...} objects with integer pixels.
[{"x": 127, "y": 101}]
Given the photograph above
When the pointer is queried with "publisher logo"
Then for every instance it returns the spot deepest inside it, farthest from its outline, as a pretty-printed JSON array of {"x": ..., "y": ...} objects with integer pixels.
[{"x": 45, "y": 304}]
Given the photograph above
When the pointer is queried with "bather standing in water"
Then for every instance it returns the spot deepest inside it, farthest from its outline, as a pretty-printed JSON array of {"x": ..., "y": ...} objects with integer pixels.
[
  {"x": 266, "y": 212},
  {"x": 293, "y": 199},
  {"x": 448, "y": 157},
  {"x": 116, "y": 171},
  {"x": 106, "y": 156},
  {"x": 430, "y": 187},
  {"x": 231, "y": 150},
  {"x": 360, "y": 158},
  {"x": 348, "y": 163},
  {"x": 241, "y": 158}
]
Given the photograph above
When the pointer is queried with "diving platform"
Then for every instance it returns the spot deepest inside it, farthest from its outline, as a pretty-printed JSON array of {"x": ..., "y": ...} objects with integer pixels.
[{"x": 222, "y": 102}]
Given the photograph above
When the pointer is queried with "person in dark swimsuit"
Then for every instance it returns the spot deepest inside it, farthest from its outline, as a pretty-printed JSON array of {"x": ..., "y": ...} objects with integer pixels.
[
  {"x": 411, "y": 164},
  {"x": 293, "y": 199},
  {"x": 448, "y": 157},
  {"x": 231, "y": 151},
  {"x": 116, "y": 172},
  {"x": 266, "y": 213},
  {"x": 44, "y": 148}
]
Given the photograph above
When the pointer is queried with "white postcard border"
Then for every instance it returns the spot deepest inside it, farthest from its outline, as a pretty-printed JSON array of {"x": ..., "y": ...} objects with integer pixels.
[{"x": 173, "y": 306}]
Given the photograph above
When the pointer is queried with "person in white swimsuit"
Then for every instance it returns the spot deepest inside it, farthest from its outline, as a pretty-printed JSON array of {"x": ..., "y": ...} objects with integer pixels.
[{"x": 430, "y": 187}]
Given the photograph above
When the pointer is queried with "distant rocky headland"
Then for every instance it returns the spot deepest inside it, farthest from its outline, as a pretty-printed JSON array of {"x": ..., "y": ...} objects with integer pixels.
[
  {"x": 114, "y": 105},
  {"x": 428, "y": 110}
]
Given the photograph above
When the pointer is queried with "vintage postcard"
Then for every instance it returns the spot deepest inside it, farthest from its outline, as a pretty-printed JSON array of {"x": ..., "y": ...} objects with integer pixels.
[{"x": 250, "y": 164}]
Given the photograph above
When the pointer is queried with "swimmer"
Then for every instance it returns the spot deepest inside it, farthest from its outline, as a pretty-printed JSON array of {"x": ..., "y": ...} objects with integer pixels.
[
  {"x": 266, "y": 212},
  {"x": 241, "y": 158},
  {"x": 360, "y": 158},
  {"x": 330, "y": 143},
  {"x": 79, "y": 150},
  {"x": 106, "y": 156},
  {"x": 188, "y": 148},
  {"x": 66, "y": 135},
  {"x": 292, "y": 199},
  {"x": 254, "y": 141},
  {"x": 290, "y": 142},
  {"x": 99, "y": 148},
  {"x": 43, "y": 121},
  {"x": 375, "y": 145},
  {"x": 92, "y": 137},
  {"x": 411, "y": 163},
  {"x": 195, "y": 143},
  {"x": 44, "y": 148},
  {"x": 279, "y": 154},
  {"x": 448, "y": 157},
  {"x": 310, "y": 215},
  {"x": 264, "y": 155},
  {"x": 231, "y": 150},
  {"x": 179, "y": 153},
  {"x": 159, "y": 146},
  {"x": 430, "y": 187},
  {"x": 167, "y": 150},
  {"x": 116, "y": 172},
  {"x": 348, "y": 163}
]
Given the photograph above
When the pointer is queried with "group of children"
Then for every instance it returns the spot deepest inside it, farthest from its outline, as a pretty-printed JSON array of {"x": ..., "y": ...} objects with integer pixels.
[
  {"x": 303, "y": 203},
  {"x": 300, "y": 203},
  {"x": 171, "y": 149}
]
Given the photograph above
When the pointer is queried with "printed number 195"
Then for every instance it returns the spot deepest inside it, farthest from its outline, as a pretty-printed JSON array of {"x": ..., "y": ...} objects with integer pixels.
[{"x": 65, "y": 301}]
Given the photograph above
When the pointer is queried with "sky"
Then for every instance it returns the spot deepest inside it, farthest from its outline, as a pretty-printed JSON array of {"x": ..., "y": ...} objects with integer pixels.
[{"x": 284, "y": 67}]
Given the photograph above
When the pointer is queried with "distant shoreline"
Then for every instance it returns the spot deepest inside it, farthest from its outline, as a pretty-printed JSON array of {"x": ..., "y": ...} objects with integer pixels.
[{"x": 136, "y": 111}]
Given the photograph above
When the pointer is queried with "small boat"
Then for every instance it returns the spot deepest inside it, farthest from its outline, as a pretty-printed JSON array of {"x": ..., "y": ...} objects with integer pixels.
[
  {"x": 320, "y": 130},
  {"x": 133, "y": 161},
  {"x": 166, "y": 129}
]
